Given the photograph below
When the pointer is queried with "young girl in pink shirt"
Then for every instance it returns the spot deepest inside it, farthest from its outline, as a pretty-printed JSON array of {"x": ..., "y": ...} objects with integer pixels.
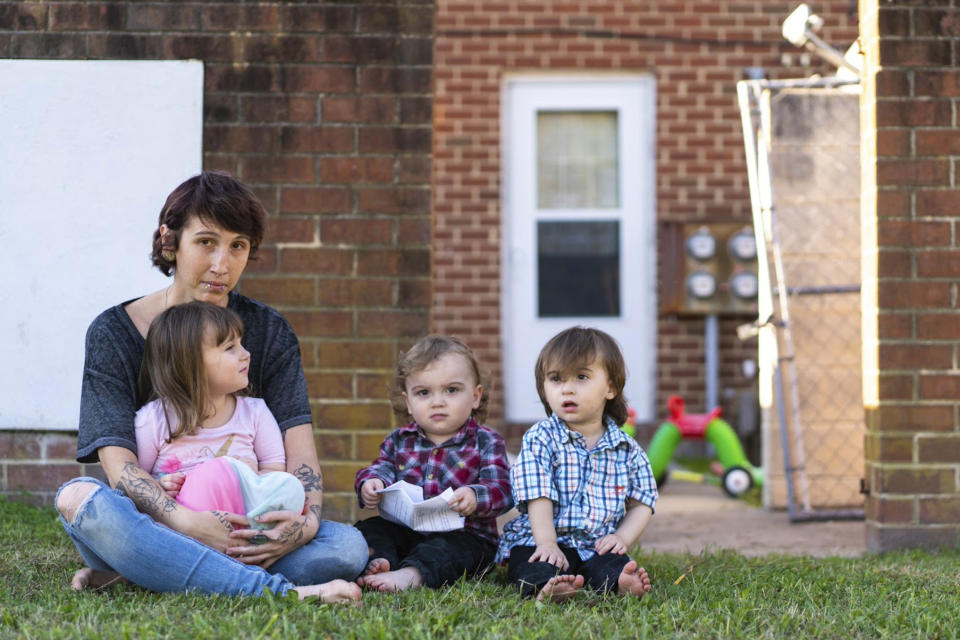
[{"x": 226, "y": 446}]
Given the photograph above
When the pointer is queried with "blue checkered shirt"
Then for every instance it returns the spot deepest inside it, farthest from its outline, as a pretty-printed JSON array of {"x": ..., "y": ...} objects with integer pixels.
[{"x": 589, "y": 489}]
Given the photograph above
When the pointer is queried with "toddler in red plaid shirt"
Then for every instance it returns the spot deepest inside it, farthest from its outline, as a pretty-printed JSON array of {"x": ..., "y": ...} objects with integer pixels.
[{"x": 438, "y": 384}]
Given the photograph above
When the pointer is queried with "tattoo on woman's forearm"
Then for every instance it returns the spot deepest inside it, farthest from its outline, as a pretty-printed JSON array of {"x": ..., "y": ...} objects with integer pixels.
[
  {"x": 315, "y": 510},
  {"x": 222, "y": 517},
  {"x": 310, "y": 479},
  {"x": 145, "y": 492}
]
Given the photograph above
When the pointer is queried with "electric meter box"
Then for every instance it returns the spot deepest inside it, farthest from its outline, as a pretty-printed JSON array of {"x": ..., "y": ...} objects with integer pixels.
[{"x": 708, "y": 268}]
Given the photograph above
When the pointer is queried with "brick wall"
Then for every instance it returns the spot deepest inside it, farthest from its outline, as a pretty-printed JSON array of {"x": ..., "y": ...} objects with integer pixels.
[
  {"x": 325, "y": 109},
  {"x": 697, "y": 52},
  {"x": 910, "y": 147}
]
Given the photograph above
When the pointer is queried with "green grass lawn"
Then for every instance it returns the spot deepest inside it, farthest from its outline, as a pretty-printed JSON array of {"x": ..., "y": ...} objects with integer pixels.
[{"x": 723, "y": 595}]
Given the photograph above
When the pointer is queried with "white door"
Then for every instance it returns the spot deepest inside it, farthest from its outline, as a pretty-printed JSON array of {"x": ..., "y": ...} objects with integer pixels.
[{"x": 579, "y": 225}]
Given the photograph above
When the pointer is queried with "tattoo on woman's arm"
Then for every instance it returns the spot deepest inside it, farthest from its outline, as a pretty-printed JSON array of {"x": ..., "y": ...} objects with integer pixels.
[
  {"x": 310, "y": 479},
  {"x": 145, "y": 492}
]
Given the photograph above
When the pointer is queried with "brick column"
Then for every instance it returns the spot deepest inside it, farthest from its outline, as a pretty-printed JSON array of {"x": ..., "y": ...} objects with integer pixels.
[{"x": 911, "y": 258}]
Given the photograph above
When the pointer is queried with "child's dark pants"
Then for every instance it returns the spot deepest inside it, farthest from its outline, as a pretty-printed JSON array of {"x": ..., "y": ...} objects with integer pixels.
[
  {"x": 599, "y": 572},
  {"x": 441, "y": 558}
]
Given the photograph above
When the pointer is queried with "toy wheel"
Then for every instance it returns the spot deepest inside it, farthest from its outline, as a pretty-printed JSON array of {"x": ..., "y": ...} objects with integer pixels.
[{"x": 737, "y": 481}]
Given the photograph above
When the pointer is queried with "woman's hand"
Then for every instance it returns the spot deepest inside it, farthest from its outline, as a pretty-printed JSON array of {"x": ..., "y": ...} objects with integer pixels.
[
  {"x": 263, "y": 547},
  {"x": 368, "y": 492},
  {"x": 214, "y": 528},
  {"x": 172, "y": 482},
  {"x": 551, "y": 554},
  {"x": 464, "y": 501}
]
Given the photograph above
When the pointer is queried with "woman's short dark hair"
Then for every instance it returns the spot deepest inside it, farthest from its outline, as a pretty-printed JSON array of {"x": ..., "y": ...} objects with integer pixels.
[{"x": 216, "y": 198}]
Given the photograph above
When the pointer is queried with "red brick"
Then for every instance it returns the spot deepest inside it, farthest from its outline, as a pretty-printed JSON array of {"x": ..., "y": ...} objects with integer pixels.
[
  {"x": 325, "y": 262},
  {"x": 356, "y": 170},
  {"x": 393, "y": 200},
  {"x": 407, "y": 262},
  {"x": 215, "y": 48},
  {"x": 912, "y": 172},
  {"x": 938, "y": 387},
  {"x": 356, "y": 231},
  {"x": 374, "y": 385},
  {"x": 893, "y": 142},
  {"x": 317, "y": 18},
  {"x": 940, "y": 83},
  {"x": 938, "y": 448},
  {"x": 58, "y": 446},
  {"x": 339, "y": 476},
  {"x": 39, "y": 477},
  {"x": 937, "y": 264},
  {"x": 278, "y": 109},
  {"x": 939, "y": 510},
  {"x": 894, "y": 325},
  {"x": 291, "y": 229},
  {"x": 19, "y": 445},
  {"x": 73, "y": 15},
  {"x": 936, "y": 202},
  {"x": 912, "y": 233},
  {"x": 376, "y": 324},
  {"x": 910, "y": 295},
  {"x": 315, "y": 200},
  {"x": 394, "y": 139},
  {"x": 890, "y": 510},
  {"x": 414, "y": 293},
  {"x": 355, "y": 293},
  {"x": 320, "y": 323},
  {"x": 356, "y": 355},
  {"x": 908, "y": 480},
  {"x": 281, "y": 291},
  {"x": 938, "y": 326},
  {"x": 329, "y": 385},
  {"x": 935, "y": 142},
  {"x": 282, "y": 48},
  {"x": 894, "y": 264},
  {"x": 368, "y": 446},
  {"x": 367, "y": 110},
  {"x": 907, "y": 417},
  {"x": 232, "y": 17},
  {"x": 896, "y": 387},
  {"x": 354, "y": 417},
  {"x": 332, "y": 445},
  {"x": 914, "y": 52},
  {"x": 915, "y": 356},
  {"x": 246, "y": 138},
  {"x": 317, "y": 139},
  {"x": 162, "y": 17},
  {"x": 319, "y": 79},
  {"x": 281, "y": 168},
  {"x": 48, "y": 46}
]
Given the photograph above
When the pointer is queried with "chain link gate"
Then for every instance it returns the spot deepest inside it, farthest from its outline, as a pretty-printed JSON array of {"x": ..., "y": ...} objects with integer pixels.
[{"x": 802, "y": 150}]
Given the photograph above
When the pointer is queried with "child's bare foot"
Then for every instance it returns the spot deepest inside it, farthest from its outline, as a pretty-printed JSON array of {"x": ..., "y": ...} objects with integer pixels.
[
  {"x": 375, "y": 566},
  {"x": 633, "y": 581},
  {"x": 399, "y": 580},
  {"x": 560, "y": 588},
  {"x": 88, "y": 578},
  {"x": 333, "y": 591}
]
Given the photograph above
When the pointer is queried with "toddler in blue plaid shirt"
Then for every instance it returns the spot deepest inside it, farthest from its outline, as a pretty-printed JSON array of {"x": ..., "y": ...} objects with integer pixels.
[{"x": 584, "y": 489}]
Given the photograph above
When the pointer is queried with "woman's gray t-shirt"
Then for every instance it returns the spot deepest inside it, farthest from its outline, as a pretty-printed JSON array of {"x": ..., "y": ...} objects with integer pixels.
[{"x": 114, "y": 350}]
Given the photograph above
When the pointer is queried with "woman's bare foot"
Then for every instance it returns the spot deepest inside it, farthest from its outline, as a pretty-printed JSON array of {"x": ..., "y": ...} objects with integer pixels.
[
  {"x": 633, "y": 581},
  {"x": 375, "y": 566},
  {"x": 399, "y": 580},
  {"x": 333, "y": 591},
  {"x": 560, "y": 588},
  {"x": 88, "y": 578}
]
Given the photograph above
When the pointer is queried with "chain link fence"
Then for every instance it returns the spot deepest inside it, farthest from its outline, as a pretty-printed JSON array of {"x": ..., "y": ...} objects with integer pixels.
[{"x": 803, "y": 153}]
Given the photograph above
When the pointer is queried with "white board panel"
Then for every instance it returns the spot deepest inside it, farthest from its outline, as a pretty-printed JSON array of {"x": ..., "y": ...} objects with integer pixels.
[{"x": 89, "y": 151}]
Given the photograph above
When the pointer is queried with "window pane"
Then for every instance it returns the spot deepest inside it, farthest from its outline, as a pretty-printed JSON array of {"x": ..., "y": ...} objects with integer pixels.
[
  {"x": 577, "y": 160},
  {"x": 578, "y": 266}
]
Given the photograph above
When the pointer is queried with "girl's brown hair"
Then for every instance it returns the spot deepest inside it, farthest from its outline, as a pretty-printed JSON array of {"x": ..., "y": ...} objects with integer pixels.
[
  {"x": 419, "y": 356},
  {"x": 577, "y": 347},
  {"x": 172, "y": 367}
]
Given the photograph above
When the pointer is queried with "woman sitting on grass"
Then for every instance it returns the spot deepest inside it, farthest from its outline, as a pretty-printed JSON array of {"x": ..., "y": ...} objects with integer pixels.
[{"x": 208, "y": 228}]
